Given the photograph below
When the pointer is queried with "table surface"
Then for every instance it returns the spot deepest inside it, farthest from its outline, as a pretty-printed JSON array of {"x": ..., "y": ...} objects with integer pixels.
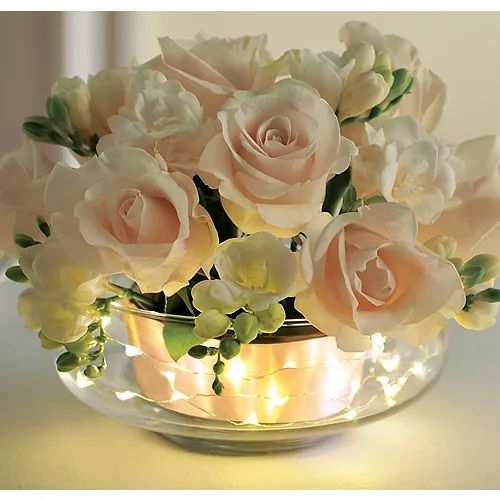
[{"x": 447, "y": 438}]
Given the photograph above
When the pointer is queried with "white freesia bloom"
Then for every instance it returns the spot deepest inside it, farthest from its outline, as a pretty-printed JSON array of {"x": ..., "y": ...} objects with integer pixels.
[
  {"x": 159, "y": 116},
  {"x": 277, "y": 150},
  {"x": 91, "y": 104},
  {"x": 348, "y": 82},
  {"x": 366, "y": 274},
  {"x": 60, "y": 300},
  {"x": 473, "y": 220},
  {"x": 214, "y": 68},
  {"x": 405, "y": 164},
  {"x": 428, "y": 96},
  {"x": 122, "y": 212},
  {"x": 23, "y": 175},
  {"x": 255, "y": 272}
]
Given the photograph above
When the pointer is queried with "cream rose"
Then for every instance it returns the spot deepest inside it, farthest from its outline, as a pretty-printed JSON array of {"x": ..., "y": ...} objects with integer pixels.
[
  {"x": 366, "y": 274},
  {"x": 473, "y": 220},
  {"x": 214, "y": 68},
  {"x": 401, "y": 161},
  {"x": 427, "y": 99},
  {"x": 277, "y": 150},
  {"x": 121, "y": 213},
  {"x": 23, "y": 175},
  {"x": 255, "y": 271},
  {"x": 159, "y": 116},
  {"x": 60, "y": 301}
]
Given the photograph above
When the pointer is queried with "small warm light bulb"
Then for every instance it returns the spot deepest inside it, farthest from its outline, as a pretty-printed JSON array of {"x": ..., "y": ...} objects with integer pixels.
[
  {"x": 418, "y": 368},
  {"x": 131, "y": 351},
  {"x": 383, "y": 380},
  {"x": 105, "y": 321},
  {"x": 177, "y": 395},
  {"x": 82, "y": 382},
  {"x": 392, "y": 363},
  {"x": 351, "y": 414},
  {"x": 125, "y": 395},
  {"x": 355, "y": 386},
  {"x": 274, "y": 397},
  {"x": 290, "y": 364},
  {"x": 170, "y": 376},
  {"x": 235, "y": 371},
  {"x": 251, "y": 419}
]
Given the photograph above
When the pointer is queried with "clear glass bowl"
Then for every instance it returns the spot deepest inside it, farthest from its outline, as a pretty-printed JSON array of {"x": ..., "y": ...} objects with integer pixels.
[{"x": 287, "y": 391}]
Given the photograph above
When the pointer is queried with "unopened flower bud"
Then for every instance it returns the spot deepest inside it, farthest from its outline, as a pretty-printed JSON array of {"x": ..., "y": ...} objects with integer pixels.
[
  {"x": 229, "y": 348},
  {"x": 444, "y": 246},
  {"x": 211, "y": 324},
  {"x": 272, "y": 318},
  {"x": 489, "y": 263},
  {"x": 246, "y": 327}
]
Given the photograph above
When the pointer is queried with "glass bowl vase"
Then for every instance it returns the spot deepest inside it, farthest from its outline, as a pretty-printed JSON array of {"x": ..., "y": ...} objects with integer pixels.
[{"x": 287, "y": 390}]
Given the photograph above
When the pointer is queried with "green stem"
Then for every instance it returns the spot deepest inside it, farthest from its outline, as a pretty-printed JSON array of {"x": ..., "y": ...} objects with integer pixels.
[{"x": 127, "y": 293}]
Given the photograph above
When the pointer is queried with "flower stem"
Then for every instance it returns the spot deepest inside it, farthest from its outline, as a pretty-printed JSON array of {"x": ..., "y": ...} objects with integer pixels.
[{"x": 128, "y": 293}]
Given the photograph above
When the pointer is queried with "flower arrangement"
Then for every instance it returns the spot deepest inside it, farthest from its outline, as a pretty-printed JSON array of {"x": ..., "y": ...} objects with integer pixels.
[{"x": 217, "y": 182}]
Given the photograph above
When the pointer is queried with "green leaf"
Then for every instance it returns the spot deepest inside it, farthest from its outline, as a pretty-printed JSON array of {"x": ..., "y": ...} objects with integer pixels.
[
  {"x": 179, "y": 338},
  {"x": 57, "y": 111},
  {"x": 15, "y": 273},
  {"x": 350, "y": 199},
  {"x": 335, "y": 189}
]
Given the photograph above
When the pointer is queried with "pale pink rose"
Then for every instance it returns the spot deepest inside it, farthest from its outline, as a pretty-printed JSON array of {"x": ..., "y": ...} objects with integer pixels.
[
  {"x": 121, "y": 212},
  {"x": 427, "y": 99},
  {"x": 23, "y": 175},
  {"x": 277, "y": 150},
  {"x": 474, "y": 220},
  {"x": 365, "y": 274},
  {"x": 214, "y": 68}
]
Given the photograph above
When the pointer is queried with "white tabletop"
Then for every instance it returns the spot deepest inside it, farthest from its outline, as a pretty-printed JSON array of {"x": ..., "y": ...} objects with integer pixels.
[{"x": 448, "y": 438}]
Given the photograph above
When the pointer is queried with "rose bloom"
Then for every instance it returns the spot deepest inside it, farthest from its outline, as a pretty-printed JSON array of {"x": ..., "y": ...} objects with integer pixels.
[
  {"x": 214, "y": 68},
  {"x": 23, "y": 175},
  {"x": 473, "y": 220},
  {"x": 60, "y": 301},
  {"x": 427, "y": 99},
  {"x": 277, "y": 150},
  {"x": 365, "y": 274},
  {"x": 161, "y": 117},
  {"x": 255, "y": 271},
  {"x": 401, "y": 161},
  {"x": 121, "y": 213}
]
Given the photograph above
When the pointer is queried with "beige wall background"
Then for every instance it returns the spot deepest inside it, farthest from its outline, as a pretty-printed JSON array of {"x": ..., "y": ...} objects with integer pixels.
[{"x": 37, "y": 48}]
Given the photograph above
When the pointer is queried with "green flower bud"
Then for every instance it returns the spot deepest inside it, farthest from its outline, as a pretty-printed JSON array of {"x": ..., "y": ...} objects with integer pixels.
[
  {"x": 43, "y": 226},
  {"x": 38, "y": 128},
  {"x": 490, "y": 264},
  {"x": 82, "y": 346},
  {"x": 471, "y": 275},
  {"x": 401, "y": 83},
  {"x": 47, "y": 343},
  {"x": 444, "y": 246},
  {"x": 24, "y": 241},
  {"x": 68, "y": 361},
  {"x": 217, "y": 387},
  {"x": 229, "y": 348},
  {"x": 198, "y": 351},
  {"x": 15, "y": 273},
  {"x": 246, "y": 327},
  {"x": 488, "y": 295},
  {"x": 57, "y": 110},
  {"x": 211, "y": 324},
  {"x": 219, "y": 367},
  {"x": 91, "y": 371},
  {"x": 272, "y": 318},
  {"x": 457, "y": 262}
]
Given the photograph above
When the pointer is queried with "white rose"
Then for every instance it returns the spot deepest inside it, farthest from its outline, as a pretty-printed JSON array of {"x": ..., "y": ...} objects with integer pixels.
[
  {"x": 255, "y": 271},
  {"x": 23, "y": 175},
  {"x": 60, "y": 301},
  {"x": 401, "y": 161},
  {"x": 159, "y": 116},
  {"x": 427, "y": 99},
  {"x": 277, "y": 150},
  {"x": 121, "y": 212}
]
